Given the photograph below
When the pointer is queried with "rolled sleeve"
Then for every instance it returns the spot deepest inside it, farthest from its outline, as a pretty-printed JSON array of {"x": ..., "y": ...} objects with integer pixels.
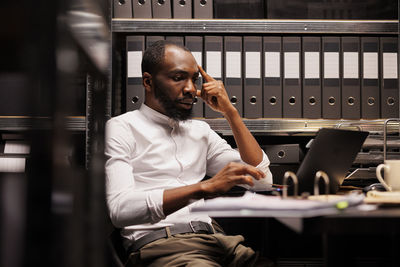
[
  {"x": 154, "y": 201},
  {"x": 266, "y": 182}
]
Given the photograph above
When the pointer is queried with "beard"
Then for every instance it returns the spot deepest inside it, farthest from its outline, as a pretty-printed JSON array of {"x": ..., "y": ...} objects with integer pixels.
[{"x": 170, "y": 106}]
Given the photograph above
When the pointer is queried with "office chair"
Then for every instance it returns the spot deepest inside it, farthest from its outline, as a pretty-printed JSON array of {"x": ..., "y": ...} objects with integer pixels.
[{"x": 117, "y": 251}]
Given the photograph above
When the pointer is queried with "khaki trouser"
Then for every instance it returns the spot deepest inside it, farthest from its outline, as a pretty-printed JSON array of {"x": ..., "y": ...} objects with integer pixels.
[{"x": 194, "y": 250}]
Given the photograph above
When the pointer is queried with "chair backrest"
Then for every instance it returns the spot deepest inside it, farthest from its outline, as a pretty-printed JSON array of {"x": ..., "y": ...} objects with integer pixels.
[{"x": 117, "y": 250}]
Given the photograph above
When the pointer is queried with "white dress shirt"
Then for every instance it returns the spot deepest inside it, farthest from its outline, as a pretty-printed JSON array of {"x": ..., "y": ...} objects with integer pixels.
[{"x": 147, "y": 153}]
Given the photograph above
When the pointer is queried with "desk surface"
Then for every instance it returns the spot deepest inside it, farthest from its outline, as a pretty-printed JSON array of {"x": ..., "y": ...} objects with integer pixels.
[
  {"x": 352, "y": 220},
  {"x": 384, "y": 220}
]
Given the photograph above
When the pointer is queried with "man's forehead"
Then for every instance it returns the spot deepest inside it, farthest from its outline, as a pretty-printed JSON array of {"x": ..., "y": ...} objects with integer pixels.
[{"x": 177, "y": 57}]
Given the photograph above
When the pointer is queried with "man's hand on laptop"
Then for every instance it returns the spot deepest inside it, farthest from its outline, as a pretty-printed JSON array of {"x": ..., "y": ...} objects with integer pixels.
[{"x": 232, "y": 174}]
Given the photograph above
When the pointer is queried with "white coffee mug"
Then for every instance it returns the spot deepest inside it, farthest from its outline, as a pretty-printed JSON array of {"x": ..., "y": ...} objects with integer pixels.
[{"x": 391, "y": 170}]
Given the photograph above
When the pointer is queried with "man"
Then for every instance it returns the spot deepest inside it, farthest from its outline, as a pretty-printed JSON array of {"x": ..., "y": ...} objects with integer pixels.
[{"x": 156, "y": 160}]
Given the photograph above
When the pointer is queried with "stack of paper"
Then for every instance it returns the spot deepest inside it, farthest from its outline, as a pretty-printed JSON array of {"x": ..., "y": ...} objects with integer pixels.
[
  {"x": 377, "y": 197},
  {"x": 259, "y": 205}
]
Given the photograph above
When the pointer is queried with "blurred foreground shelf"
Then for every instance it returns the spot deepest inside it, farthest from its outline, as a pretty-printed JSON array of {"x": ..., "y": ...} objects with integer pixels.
[{"x": 24, "y": 123}]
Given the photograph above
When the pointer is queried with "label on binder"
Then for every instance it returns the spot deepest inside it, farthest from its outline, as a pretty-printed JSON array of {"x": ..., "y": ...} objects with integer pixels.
[
  {"x": 253, "y": 65},
  {"x": 370, "y": 66},
  {"x": 214, "y": 64},
  {"x": 292, "y": 67},
  {"x": 311, "y": 65},
  {"x": 233, "y": 64},
  {"x": 350, "y": 65},
  {"x": 198, "y": 57},
  {"x": 272, "y": 65},
  {"x": 134, "y": 64},
  {"x": 389, "y": 65},
  {"x": 331, "y": 65}
]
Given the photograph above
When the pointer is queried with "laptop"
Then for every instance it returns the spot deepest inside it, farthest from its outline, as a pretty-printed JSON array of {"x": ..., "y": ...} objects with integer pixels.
[{"x": 332, "y": 151}]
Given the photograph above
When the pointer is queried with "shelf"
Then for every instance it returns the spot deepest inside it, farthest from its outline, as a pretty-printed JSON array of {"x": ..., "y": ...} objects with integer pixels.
[
  {"x": 227, "y": 26},
  {"x": 377, "y": 142},
  {"x": 23, "y": 123},
  {"x": 301, "y": 127}
]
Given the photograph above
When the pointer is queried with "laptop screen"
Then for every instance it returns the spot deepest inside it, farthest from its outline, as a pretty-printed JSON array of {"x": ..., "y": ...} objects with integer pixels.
[{"x": 333, "y": 151}]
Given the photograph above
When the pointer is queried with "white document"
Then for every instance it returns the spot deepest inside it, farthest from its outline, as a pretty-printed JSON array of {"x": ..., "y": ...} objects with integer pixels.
[
  {"x": 331, "y": 65},
  {"x": 134, "y": 64},
  {"x": 16, "y": 147},
  {"x": 272, "y": 64},
  {"x": 350, "y": 65},
  {"x": 390, "y": 66},
  {"x": 292, "y": 67},
  {"x": 12, "y": 164},
  {"x": 214, "y": 64},
  {"x": 253, "y": 65},
  {"x": 233, "y": 65},
  {"x": 370, "y": 66},
  {"x": 311, "y": 65}
]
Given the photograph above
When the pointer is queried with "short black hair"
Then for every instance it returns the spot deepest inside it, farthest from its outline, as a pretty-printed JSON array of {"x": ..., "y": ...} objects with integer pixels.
[{"x": 154, "y": 55}]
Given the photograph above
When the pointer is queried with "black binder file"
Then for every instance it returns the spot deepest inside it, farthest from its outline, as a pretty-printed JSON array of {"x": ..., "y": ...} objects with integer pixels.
[
  {"x": 161, "y": 9},
  {"x": 272, "y": 100},
  {"x": 179, "y": 40},
  {"x": 370, "y": 100},
  {"x": 331, "y": 100},
  {"x": 233, "y": 71},
  {"x": 141, "y": 8},
  {"x": 182, "y": 9},
  {"x": 122, "y": 9},
  {"x": 389, "y": 75},
  {"x": 152, "y": 39},
  {"x": 252, "y": 95},
  {"x": 203, "y": 9},
  {"x": 213, "y": 63},
  {"x": 351, "y": 107},
  {"x": 311, "y": 77},
  {"x": 195, "y": 45},
  {"x": 134, "y": 87},
  {"x": 239, "y": 9},
  {"x": 291, "y": 77}
]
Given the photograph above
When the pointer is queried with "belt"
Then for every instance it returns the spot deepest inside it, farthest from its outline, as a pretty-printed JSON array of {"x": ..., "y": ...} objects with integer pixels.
[{"x": 180, "y": 228}]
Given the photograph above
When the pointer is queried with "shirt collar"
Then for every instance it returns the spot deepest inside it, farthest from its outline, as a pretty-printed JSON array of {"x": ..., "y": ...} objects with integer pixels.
[{"x": 158, "y": 117}]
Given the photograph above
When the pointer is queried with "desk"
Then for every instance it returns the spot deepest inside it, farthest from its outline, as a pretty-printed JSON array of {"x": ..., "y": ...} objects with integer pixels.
[
  {"x": 349, "y": 238},
  {"x": 354, "y": 235}
]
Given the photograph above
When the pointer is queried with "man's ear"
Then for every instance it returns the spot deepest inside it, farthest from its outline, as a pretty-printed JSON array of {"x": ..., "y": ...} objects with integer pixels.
[{"x": 147, "y": 81}]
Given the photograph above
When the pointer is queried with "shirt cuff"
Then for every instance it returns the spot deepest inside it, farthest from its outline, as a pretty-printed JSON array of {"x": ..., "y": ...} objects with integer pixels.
[
  {"x": 154, "y": 200},
  {"x": 264, "y": 164},
  {"x": 264, "y": 184}
]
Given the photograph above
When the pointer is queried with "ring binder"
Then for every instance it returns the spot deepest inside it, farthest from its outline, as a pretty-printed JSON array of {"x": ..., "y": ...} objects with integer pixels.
[
  {"x": 291, "y": 80},
  {"x": 272, "y": 87}
]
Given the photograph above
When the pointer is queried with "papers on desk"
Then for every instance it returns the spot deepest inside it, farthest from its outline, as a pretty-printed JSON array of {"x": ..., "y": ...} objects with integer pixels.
[
  {"x": 255, "y": 205},
  {"x": 388, "y": 198}
]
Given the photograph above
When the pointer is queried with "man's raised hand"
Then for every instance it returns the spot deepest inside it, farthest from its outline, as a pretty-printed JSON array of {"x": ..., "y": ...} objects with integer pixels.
[{"x": 214, "y": 94}]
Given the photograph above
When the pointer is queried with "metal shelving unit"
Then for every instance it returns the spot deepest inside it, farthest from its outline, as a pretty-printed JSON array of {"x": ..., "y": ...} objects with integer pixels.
[
  {"x": 301, "y": 127},
  {"x": 255, "y": 26},
  {"x": 265, "y": 126},
  {"x": 22, "y": 123}
]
